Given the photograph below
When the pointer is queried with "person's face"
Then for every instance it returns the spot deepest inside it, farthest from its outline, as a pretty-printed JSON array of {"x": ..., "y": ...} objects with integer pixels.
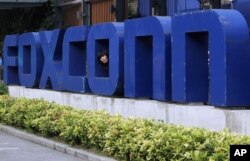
[{"x": 104, "y": 59}]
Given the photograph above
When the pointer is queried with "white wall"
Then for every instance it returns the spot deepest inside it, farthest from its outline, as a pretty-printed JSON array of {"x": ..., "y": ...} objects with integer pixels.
[{"x": 196, "y": 115}]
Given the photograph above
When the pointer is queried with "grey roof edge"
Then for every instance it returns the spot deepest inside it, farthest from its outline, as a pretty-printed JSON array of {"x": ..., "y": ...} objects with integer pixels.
[{"x": 23, "y": 1}]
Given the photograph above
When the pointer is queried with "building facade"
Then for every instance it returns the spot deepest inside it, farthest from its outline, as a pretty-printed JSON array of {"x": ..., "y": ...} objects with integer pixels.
[{"x": 90, "y": 12}]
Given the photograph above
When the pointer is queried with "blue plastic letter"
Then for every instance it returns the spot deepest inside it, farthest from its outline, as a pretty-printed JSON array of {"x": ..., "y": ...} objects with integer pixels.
[
  {"x": 211, "y": 58},
  {"x": 74, "y": 59},
  {"x": 30, "y": 59},
  {"x": 106, "y": 38},
  {"x": 10, "y": 62},
  {"x": 148, "y": 58},
  {"x": 51, "y": 42}
]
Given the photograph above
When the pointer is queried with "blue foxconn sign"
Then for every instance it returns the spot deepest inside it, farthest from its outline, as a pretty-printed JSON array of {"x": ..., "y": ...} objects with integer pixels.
[{"x": 201, "y": 56}]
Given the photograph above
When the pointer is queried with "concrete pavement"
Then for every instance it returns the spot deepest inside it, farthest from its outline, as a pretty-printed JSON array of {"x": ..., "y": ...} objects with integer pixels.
[
  {"x": 15, "y": 149},
  {"x": 53, "y": 145},
  {"x": 63, "y": 148}
]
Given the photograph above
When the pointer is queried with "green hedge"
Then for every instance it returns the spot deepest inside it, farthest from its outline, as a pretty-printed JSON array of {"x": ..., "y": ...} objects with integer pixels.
[
  {"x": 3, "y": 88},
  {"x": 125, "y": 139}
]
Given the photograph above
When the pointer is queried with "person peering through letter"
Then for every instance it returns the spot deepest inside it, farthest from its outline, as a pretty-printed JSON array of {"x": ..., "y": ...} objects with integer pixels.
[{"x": 103, "y": 58}]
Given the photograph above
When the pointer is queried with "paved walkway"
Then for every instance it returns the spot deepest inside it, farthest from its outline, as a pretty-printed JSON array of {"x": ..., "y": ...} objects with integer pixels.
[{"x": 15, "y": 149}]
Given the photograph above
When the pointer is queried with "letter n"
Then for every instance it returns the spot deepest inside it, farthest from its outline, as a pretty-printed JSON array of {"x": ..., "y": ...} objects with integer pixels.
[
  {"x": 148, "y": 58},
  {"x": 211, "y": 58}
]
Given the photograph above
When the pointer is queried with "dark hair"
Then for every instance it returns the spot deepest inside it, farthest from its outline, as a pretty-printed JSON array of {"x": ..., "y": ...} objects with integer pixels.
[{"x": 102, "y": 53}]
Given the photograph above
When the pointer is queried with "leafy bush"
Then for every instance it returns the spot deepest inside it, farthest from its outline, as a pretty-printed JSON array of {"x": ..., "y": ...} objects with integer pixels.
[
  {"x": 6, "y": 103},
  {"x": 3, "y": 88},
  {"x": 125, "y": 139}
]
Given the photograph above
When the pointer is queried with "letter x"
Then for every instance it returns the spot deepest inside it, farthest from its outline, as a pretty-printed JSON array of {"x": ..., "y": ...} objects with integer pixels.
[{"x": 51, "y": 42}]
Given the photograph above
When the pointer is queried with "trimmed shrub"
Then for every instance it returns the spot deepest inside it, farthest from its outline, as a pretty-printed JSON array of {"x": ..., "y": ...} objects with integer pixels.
[
  {"x": 6, "y": 103},
  {"x": 125, "y": 139},
  {"x": 3, "y": 88}
]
